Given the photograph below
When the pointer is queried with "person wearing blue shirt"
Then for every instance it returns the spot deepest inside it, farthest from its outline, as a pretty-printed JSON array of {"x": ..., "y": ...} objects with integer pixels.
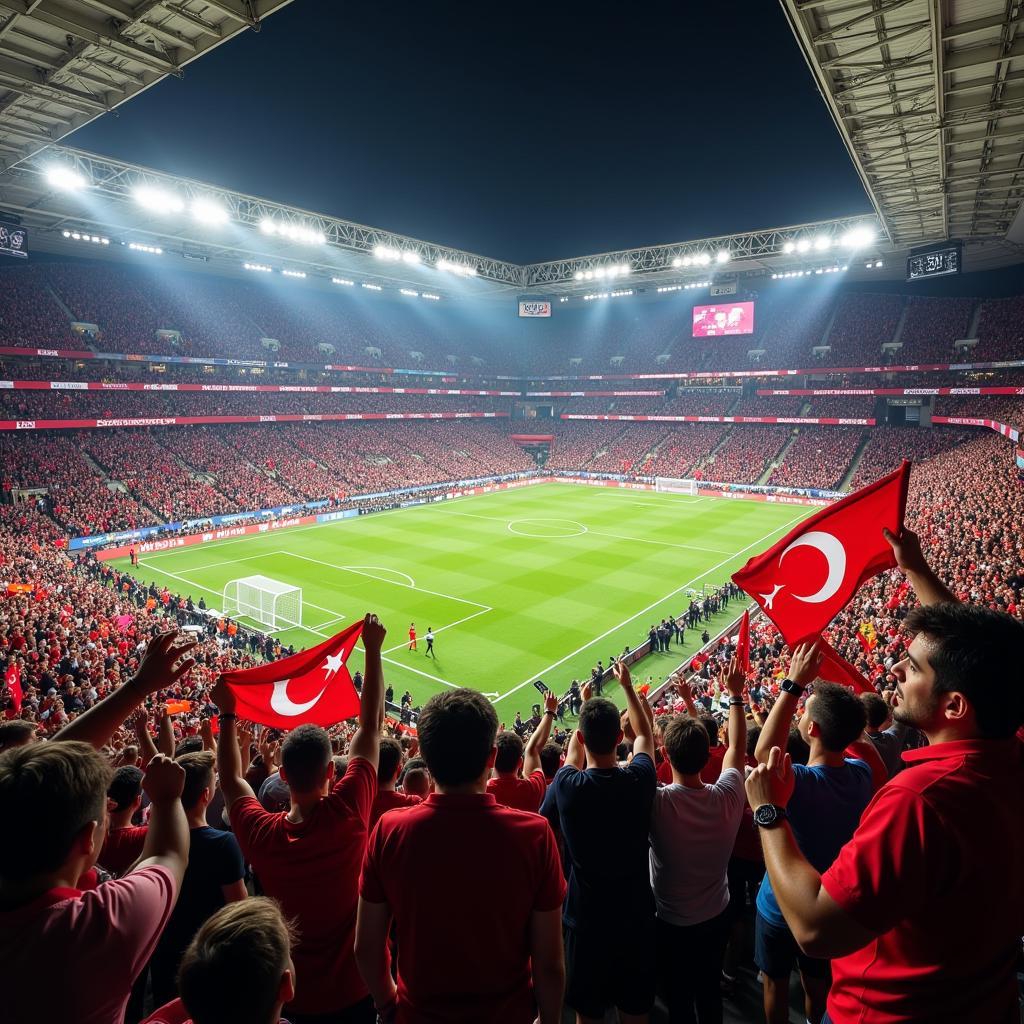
[{"x": 831, "y": 793}]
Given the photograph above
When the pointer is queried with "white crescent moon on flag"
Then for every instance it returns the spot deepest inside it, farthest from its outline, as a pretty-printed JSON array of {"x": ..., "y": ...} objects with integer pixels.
[
  {"x": 835, "y": 555},
  {"x": 282, "y": 704}
]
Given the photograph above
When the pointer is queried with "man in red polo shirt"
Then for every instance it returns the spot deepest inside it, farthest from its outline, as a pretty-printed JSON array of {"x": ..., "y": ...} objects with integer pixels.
[
  {"x": 923, "y": 909},
  {"x": 507, "y": 787},
  {"x": 475, "y": 889},
  {"x": 308, "y": 858},
  {"x": 389, "y": 764}
]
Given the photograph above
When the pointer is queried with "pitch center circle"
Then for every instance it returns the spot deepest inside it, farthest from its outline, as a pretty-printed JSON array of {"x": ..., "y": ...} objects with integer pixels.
[{"x": 546, "y": 529}]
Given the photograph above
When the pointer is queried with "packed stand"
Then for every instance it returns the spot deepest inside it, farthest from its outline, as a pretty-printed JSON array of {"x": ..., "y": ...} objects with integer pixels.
[
  {"x": 819, "y": 457},
  {"x": 746, "y": 454}
]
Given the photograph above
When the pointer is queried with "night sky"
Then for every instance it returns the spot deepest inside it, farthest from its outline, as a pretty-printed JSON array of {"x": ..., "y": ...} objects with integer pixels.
[{"x": 533, "y": 132}]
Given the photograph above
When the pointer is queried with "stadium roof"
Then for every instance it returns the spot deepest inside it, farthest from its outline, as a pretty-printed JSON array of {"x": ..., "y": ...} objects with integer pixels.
[
  {"x": 928, "y": 96},
  {"x": 65, "y": 62}
]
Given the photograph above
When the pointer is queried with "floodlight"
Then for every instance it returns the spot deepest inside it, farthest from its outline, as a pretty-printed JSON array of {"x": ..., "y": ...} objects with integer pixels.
[
  {"x": 372, "y": 287},
  {"x": 209, "y": 211},
  {"x": 153, "y": 250},
  {"x": 600, "y": 272},
  {"x": 409, "y": 291},
  {"x": 687, "y": 261},
  {"x": 410, "y": 256},
  {"x": 625, "y": 268},
  {"x": 859, "y": 237},
  {"x": 381, "y": 252},
  {"x": 822, "y": 242},
  {"x": 66, "y": 178},
  {"x": 803, "y": 245},
  {"x": 789, "y": 247},
  {"x": 676, "y": 262},
  {"x": 294, "y": 273},
  {"x": 723, "y": 256},
  {"x": 157, "y": 200},
  {"x": 704, "y": 259},
  {"x": 262, "y": 267},
  {"x": 437, "y": 298},
  {"x": 342, "y": 280},
  {"x": 578, "y": 276},
  {"x": 268, "y": 227},
  {"x": 589, "y": 275}
]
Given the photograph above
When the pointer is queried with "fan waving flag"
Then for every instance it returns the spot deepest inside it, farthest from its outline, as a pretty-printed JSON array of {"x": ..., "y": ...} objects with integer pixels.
[
  {"x": 12, "y": 680},
  {"x": 867, "y": 636},
  {"x": 810, "y": 575},
  {"x": 743, "y": 643},
  {"x": 311, "y": 687}
]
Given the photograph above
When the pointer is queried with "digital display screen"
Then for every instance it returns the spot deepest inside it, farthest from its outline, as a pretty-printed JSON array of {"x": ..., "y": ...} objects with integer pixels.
[
  {"x": 730, "y": 318},
  {"x": 13, "y": 241},
  {"x": 936, "y": 262}
]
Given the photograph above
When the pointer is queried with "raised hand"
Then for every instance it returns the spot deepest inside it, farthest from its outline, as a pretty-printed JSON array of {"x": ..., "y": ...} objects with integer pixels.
[
  {"x": 164, "y": 779},
  {"x": 806, "y": 660},
  {"x": 772, "y": 782},
  {"x": 551, "y": 701},
  {"x": 907, "y": 549},
  {"x": 373, "y": 633},
  {"x": 733, "y": 678},
  {"x": 222, "y": 696},
  {"x": 621, "y": 673},
  {"x": 586, "y": 691},
  {"x": 163, "y": 663}
]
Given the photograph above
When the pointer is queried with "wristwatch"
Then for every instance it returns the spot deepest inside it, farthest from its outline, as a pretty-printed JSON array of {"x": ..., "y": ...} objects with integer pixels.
[
  {"x": 790, "y": 687},
  {"x": 768, "y": 815}
]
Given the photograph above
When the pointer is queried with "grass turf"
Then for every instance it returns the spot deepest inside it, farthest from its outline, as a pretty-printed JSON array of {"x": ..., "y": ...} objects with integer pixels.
[{"x": 536, "y": 582}]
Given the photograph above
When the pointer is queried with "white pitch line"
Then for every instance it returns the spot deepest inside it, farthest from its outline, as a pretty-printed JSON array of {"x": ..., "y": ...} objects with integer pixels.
[
  {"x": 644, "y": 611},
  {"x": 394, "y": 583},
  {"x": 441, "y": 629},
  {"x": 419, "y": 672}
]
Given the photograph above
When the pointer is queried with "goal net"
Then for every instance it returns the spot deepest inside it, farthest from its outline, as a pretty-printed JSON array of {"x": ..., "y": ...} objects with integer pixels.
[
  {"x": 674, "y": 485},
  {"x": 269, "y": 602}
]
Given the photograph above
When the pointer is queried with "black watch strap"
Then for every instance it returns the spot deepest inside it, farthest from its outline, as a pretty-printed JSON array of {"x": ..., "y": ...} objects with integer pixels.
[{"x": 790, "y": 687}]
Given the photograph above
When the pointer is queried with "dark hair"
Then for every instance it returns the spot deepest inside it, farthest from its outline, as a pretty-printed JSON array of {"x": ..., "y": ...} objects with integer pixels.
[
  {"x": 413, "y": 763},
  {"x": 198, "y": 776},
  {"x": 457, "y": 730},
  {"x": 125, "y": 787},
  {"x": 510, "y": 752},
  {"x": 416, "y": 781},
  {"x": 876, "y": 708},
  {"x": 599, "y": 723},
  {"x": 550, "y": 759},
  {"x": 389, "y": 760},
  {"x": 687, "y": 744},
  {"x": 711, "y": 724},
  {"x": 797, "y": 747},
  {"x": 189, "y": 745},
  {"x": 978, "y": 654},
  {"x": 15, "y": 733},
  {"x": 50, "y": 792},
  {"x": 231, "y": 972},
  {"x": 305, "y": 755},
  {"x": 839, "y": 715},
  {"x": 753, "y": 735}
]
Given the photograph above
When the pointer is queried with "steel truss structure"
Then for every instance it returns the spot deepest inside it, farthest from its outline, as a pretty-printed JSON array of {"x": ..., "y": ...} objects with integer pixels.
[{"x": 65, "y": 62}]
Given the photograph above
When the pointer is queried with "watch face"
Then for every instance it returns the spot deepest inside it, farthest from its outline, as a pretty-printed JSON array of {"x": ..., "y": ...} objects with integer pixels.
[{"x": 766, "y": 814}]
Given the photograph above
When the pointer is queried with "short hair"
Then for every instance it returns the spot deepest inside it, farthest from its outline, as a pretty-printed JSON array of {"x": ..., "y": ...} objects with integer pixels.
[
  {"x": 839, "y": 715},
  {"x": 231, "y": 972},
  {"x": 305, "y": 755},
  {"x": 416, "y": 782},
  {"x": 16, "y": 733},
  {"x": 797, "y": 747},
  {"x": 599, "y": 723},
  {"x": 687, "y": 744},
  {"x": 198, "y": 776},
  {"x": 510, "y": 752},
  {"x": 389, "y": 760},
  {"x": 125, "y": 787},
  {"x": 52, "y": 791},
  {"x": 550, "y": 759},
  {"x": 876, "y": 708},
  {"x": 711, "y": 724},
  {"x": 978, "y": 654},
  {"x": 457, "y": 730},
  {"x": 753, "y": 735},
  {"x": 189, "y": 745}
]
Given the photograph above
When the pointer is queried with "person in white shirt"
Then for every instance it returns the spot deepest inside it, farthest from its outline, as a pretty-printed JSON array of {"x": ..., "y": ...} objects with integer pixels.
[{"x": 693, "y": 830}]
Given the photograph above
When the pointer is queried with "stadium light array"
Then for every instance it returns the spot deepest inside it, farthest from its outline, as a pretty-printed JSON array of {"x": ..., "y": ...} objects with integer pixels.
[
  {"x": 858, "y": 238},
  {"x": 372, "y": 287},
  {"x": 82, "y": 236},
  {"x": 431, "y": 296},
  {"x": 697, "y": 284},
  {"x": 209, "y": 211},
  {"x": 835, "y": 268},
  {"x": 671, "y": 288},
  {"x": 153, "y": 250},
  {"x": 723, "y": 256},
  {"x": 157, "y": 200},
  {"x": 410, "y": 292},
  {"x": 462, "y": 269},
  {"x": 293, "y": 232},
  {"x": 343, "y": 280},
  {"x": 873, "y": 265},
  {"x": 261, "y": 267},
  {"x": 803, "y": 245},
  {"x": 65, "y": 178},
  {"x": 789, "y": 247},
  {"x": 294, "y": 273},
  {"x": 821, "y": 243}
]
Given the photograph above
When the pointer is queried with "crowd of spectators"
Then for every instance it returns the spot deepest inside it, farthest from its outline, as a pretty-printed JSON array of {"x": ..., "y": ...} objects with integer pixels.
[
  {"x": 818, "y": 457},
  {"x": 746, "y": 453},
  {"x": 887, "y": 446}
]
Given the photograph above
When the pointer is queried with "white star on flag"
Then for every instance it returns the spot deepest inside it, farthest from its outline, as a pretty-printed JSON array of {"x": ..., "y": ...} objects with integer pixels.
[{"x": 332, "y": 664}]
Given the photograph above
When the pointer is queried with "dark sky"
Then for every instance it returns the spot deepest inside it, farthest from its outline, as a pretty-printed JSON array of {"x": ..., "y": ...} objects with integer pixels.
[{"x": 537, "y": 131}]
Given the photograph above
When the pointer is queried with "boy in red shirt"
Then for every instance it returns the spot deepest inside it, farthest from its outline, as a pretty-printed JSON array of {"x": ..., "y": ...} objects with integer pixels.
[
  {"x": 922, "y": 910},
  {"x": 475, "y": 889},
  {"x": 519, "y": 780},
  {"x": 389, "y": 764},
  {"x": 308, "y": 858}
]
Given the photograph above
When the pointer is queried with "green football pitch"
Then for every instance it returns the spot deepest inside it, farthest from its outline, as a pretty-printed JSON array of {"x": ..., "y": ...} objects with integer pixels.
[{"x": 531, "y": 583}]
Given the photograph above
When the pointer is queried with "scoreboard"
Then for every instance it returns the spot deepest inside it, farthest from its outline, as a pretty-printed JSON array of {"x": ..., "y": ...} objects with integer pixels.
[
  {"x": 935, "y": 261},
  {"x": 13, "y": 240}
]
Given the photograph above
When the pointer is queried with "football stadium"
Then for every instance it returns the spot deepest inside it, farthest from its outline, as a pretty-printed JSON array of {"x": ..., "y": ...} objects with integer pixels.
[{"x": 406, "y": 620}]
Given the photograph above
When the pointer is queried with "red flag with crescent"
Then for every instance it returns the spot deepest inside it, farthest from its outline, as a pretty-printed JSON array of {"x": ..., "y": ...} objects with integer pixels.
[
  {"x": 313, "y": 686},
  {"x": 834, "y": 668},
  {"x": 810, "y": 575},
  {"x": 12, "y": 680}
]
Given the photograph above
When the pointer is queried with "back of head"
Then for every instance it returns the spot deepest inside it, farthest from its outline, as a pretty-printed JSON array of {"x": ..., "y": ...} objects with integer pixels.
[
  {"x": 16, "y": 733},
  {"x": 839, "y": 715},
  {"x": 599, "y": 723},
  {"x": 550, "y": 759},
  {"x": 711, "y": 724},
  {"x": 305, "y": 755},
  {"x": 977, "y": 652},
  {"x": 198, "y": 776},
  {"x": 389, "y": 760},
  {"x": 457, "y": 730},
  {"x": 125, "y": 787},
  {"x": 189, "y": 745},
  {"x": 417, "y": 782},
  {"x": 753, "y": 735},
  {"x": 687, "y": 744},
  {"x": 510, "y": 752},
  {"x": 797, "y": 748},
  {"x": 876, "y": 708},
  {"x": 51, "y": 791},
  {"x": 231, "y": 972}
]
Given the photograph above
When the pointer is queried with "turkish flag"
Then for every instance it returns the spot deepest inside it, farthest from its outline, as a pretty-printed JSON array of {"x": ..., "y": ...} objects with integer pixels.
[
  {"x": 313, "y": 686},
  {"x": 12, "y": 680},
  {"x": 743, "y": 643},
  {"x": 810, "y": 575},
  {"x": 835, "y": 668}
]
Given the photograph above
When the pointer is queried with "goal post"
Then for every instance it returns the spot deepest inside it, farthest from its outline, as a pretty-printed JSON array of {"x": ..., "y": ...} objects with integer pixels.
[
  {"x": 271, "y": 603},
  {"x": 675, "y": 485}
]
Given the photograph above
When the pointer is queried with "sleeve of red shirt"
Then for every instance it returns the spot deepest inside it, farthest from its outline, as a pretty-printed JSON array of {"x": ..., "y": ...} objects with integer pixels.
[
  {"x": 370, "y": 887},
  {"x": 884, "y": 873},
  {"x": 540, "y": 783},
  {"x": 354, "y": 792},
  {"x": 551, "y": 883},
  {"x": 250, "y": 823}
]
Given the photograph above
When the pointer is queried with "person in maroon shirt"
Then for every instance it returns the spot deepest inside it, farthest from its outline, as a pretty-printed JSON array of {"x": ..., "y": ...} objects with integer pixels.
[
  {"x": 123, "y": 842},
  {"x": 523, "y": 793},
  {"x": 475, "y": 890},
  {"x": 923, "y": 909},
  {"x": 308, "y": 858},
  {"x": 389, "y": 764}
]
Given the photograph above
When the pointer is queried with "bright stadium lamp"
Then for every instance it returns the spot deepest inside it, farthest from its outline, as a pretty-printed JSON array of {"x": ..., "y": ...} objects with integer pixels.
[
  {"x": 723, "y": 256},
  {"x": 803, "y": 245},
  {"x": 789, "y": 247},
  {"x": 859, "y": 237},
  {"x": 65, "y": 178},
  {"x": 209, "y": 211},
  {"x": 625, "y": 268},
  {"x": 822, "y": 242},
  {"x": 676, "y": 262},
  {"x": 687, "y": 261},
  {"x": 704, "y": 259},
  {"x": 578, "y": 276},
  {"x": 157, "y": 200},
  {"x": 410, "y": 256}
]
